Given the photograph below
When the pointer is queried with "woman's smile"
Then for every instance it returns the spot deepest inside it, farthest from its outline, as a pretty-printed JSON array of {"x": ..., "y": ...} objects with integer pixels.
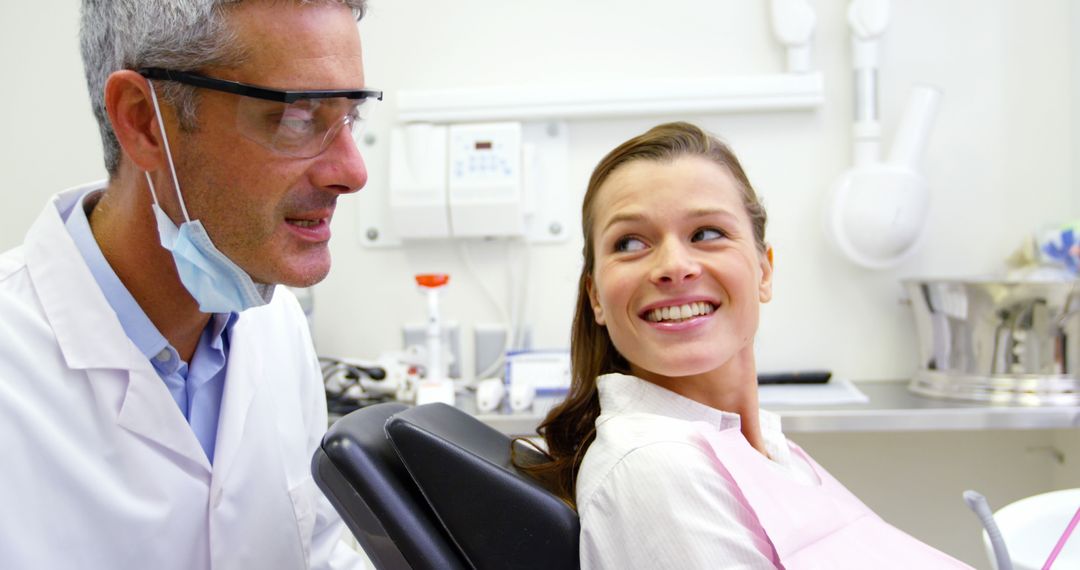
[{"x": 679, "y": 316}]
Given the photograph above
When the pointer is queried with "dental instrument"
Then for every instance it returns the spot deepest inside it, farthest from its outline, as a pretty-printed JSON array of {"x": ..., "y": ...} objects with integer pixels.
[{"x": 977, "y": 502}]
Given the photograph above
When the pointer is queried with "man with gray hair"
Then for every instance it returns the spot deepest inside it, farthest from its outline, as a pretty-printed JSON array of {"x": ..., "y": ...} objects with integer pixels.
[{"x": 160, "y": 397}]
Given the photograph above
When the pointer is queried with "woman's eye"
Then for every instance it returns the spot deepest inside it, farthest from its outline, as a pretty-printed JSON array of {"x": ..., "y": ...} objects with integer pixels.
[
  {"x": 707, "y": 234},
  {"x": 629, "y": 244}
]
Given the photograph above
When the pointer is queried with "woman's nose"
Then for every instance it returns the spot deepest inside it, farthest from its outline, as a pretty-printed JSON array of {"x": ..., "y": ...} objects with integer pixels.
[{"x": 675, "y": 264}]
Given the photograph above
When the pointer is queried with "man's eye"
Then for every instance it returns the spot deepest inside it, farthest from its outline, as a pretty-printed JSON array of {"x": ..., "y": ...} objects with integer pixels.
[
  {"x": 707, "y": 234},
  {"x": 629, "y": 244},
  {"x": 297, "y": 122}
]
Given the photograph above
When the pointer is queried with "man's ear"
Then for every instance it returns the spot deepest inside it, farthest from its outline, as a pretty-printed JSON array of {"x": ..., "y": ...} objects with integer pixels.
[
  {"x": 765, "y": 287},
  {"x": 131, "y": 113},
  {"x": 598, "y": 311}
]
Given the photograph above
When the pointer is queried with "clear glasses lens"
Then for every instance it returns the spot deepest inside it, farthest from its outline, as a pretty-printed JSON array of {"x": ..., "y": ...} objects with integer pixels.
[{"x": 302, "y": 129}]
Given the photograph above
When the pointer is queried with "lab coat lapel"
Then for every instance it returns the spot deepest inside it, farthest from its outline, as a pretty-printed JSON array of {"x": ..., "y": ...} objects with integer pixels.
[
  {"x": 149, "y": 411},
  {"x": 86, "y": 327},
  {"x": 250, "y": 487},
  {"x": 243, "y": 377},
  {"x": 91, "y": 338}
]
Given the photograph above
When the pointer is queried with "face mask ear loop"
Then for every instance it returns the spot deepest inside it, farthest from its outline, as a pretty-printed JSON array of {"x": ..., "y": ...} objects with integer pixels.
[
  {"x": 152, "y": 192},
  {"x": 168, "y": 155}
]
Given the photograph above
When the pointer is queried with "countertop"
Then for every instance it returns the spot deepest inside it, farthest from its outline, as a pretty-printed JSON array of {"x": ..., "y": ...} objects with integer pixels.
[{"x": 892, "y": 407}]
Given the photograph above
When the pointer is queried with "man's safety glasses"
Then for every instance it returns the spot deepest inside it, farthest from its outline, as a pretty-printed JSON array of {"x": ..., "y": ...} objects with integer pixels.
[{"x": 296, "y": 123}]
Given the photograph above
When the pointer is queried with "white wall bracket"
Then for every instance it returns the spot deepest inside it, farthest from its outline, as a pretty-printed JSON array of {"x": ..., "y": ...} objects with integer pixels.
[{"x": 772, "y": 92}]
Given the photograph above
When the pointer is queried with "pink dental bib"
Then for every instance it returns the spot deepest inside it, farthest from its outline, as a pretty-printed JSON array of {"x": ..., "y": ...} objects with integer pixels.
[{"x": 818, "y": 525}]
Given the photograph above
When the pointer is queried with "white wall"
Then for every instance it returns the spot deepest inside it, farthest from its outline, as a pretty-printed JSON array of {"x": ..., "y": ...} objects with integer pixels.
[
  {"x": 998, "y": 163},
  {"x": 48, "y": 137}
]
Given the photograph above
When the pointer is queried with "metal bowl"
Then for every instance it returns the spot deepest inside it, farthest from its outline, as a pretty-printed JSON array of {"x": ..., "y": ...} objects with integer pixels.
[{"x": 997, "y": 341}]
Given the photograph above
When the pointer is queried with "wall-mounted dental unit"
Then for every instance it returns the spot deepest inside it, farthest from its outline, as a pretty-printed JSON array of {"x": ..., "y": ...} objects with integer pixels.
[{"x": 478, "y": 180}]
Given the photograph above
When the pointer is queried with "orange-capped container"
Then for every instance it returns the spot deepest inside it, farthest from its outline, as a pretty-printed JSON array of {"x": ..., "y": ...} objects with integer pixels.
[{"x": 432, "y": 280}]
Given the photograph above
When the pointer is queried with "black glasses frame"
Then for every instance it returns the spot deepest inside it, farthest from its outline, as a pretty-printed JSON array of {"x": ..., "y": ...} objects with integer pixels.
[{"x": 246, "y": 90}]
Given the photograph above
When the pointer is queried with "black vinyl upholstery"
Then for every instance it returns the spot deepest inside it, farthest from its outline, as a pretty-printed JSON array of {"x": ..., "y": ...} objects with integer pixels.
[
  {"x": 363, "y": 478},
  {"x": 433, "y": 487},
  {"x": 498, "y": 517}
]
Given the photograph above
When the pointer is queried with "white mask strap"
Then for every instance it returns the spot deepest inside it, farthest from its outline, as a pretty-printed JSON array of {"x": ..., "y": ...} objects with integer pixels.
[
  {"x": 168, "y": 155},
  {"x": 152, "y": 192}
]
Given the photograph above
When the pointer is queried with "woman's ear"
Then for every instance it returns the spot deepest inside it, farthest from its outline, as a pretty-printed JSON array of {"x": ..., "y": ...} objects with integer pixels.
[
  {"x": 131, "y": 113},
  {"x": 598, "y": 311},
  {"x": 765, "y": 287}
]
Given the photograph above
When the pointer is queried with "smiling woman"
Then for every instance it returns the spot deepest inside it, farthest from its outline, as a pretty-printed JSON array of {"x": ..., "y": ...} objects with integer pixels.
[
  {"x": 660, "y": 443},
  {"x": 673, "y": 237}
]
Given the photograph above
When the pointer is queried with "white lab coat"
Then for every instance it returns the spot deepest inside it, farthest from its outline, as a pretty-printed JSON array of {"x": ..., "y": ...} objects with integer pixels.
[{"x": 99, "y": 468}]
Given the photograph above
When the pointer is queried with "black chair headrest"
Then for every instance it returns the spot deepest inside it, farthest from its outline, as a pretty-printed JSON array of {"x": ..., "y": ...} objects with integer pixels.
[
  {"x": 497, "y": 516},
  {"x": 361, "y": 475}
]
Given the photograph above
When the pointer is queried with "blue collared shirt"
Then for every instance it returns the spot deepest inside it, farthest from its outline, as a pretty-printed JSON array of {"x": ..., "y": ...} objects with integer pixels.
[{"x": 196, "y": 387}]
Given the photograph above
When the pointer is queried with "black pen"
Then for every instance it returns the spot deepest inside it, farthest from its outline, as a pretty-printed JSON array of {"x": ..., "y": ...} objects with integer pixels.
[{"x": 802, "y": 377}]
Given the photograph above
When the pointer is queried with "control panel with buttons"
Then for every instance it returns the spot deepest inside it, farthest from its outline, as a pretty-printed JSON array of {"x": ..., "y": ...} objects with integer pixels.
[{"x": 485, "y": 180}]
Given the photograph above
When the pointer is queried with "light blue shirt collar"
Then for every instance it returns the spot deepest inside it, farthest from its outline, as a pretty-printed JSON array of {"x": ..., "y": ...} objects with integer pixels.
[
  {"x": 197, "y": 389},
  {"x": 136, "y": 324}
]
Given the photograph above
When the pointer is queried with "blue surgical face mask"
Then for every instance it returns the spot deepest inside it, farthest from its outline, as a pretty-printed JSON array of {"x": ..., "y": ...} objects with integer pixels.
[{"x": 217, "y": 283}]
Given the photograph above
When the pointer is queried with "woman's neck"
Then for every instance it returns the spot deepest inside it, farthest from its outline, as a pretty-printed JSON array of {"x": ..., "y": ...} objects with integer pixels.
[{"x": 730, "y": 388}]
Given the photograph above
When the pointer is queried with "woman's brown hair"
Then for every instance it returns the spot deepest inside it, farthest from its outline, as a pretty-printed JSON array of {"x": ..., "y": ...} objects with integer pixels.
[{"x": 570, "y": 427}]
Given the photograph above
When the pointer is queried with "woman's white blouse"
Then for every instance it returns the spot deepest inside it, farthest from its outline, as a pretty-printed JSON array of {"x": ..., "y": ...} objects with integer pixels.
[{"x": 648, "y": 491}]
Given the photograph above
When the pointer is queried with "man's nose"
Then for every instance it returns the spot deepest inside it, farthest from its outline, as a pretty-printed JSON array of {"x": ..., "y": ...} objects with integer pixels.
[{"x": 341, "y": 167}]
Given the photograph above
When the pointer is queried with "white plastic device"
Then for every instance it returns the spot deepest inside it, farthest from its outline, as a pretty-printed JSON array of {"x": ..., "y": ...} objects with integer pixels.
[
  {"x": 531, "y": 203},
  {"x": 875, "y": 213},
  {"x": 489, "y": 394},
  {"x": 545, "y": 372},
  {"x": 485, "y": 180},
  {"x": 418, "y": 198},
  {"x": 521, "y": 396},
  {"x": 793, "y": 25},
  {"x": 435, "y": 391},
  {"x": 877, "y": 210}
]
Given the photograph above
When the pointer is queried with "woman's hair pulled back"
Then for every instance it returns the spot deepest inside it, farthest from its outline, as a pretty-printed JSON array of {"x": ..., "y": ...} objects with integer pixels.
[{"x": 570, "y": 427}]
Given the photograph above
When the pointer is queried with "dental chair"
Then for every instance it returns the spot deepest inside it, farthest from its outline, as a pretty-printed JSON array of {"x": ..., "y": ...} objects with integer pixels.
[{"x": 431, "y": 487}]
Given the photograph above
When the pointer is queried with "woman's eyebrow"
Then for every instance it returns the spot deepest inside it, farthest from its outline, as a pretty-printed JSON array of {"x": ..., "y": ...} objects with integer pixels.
[
  {"x": 707, "y": 212},
  {"x": 629, "y": 217},
  {"x": 623, "y": 217}
]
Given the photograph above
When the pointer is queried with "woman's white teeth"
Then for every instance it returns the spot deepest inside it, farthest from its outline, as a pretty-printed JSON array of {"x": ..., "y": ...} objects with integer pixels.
[
  {"x": 680, "y": 312},
  {"x": 304, "y": 223}
]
